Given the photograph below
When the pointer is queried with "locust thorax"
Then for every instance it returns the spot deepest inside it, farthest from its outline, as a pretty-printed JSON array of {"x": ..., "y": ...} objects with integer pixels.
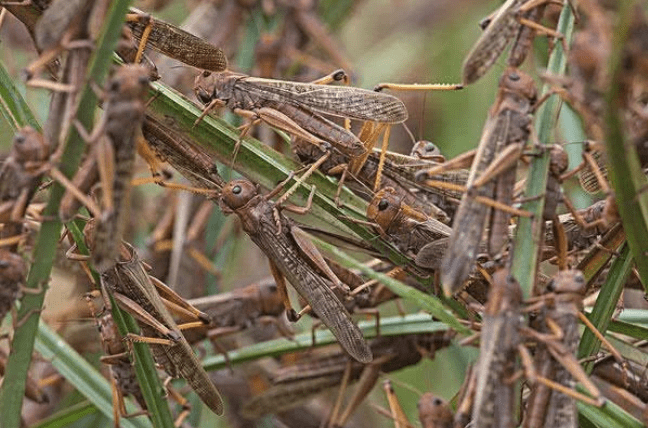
[
  {"x": 237, "y": 193},
  {"x": 384, "y": 207}
]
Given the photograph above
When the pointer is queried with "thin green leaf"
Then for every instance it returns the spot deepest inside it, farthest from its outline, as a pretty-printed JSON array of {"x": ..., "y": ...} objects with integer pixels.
[
  {"x": 13, "y": 105},
  {"x": 525, "y": 257},
  {"x": 69, "y": 415},
  {"x": 610, "y": 415},
  {"x": 85, "y": 378},
  {"x": 606, "y": 304},
  {"x": 393, "y": 326}
]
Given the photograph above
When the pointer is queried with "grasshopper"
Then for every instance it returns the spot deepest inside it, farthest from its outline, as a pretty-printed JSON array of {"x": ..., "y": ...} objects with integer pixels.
[
  {"x": 411, "y": 231},
  {"x": 239, "y": 309},
  {"x": 135, "y": 292},
  {"x": 297, "y": 107},
  {"x": 12, "y": 276},
  {"x": 115, "y": 153},
  {"x": 20, "y": 175},
  {"x": 184, "y": 156},
  {"x": 123, "y": 374},
  {"x": 398, "y": 172},
  {"x": 552, "y": 402},
  {"x": 494, "y": 398},
  {"x": 293, "y": 256},
  {"x": 491, "y": 179},
  {"x": 433, "y": 411},
  {"x": 291, "y": 385},
  {"x": 505, "y": 25}
]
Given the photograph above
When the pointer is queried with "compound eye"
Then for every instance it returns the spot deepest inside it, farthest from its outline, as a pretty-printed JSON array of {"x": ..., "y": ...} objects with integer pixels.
[
  {"x": 203, "y": 96},
  {"x": 383, "y": 205}
]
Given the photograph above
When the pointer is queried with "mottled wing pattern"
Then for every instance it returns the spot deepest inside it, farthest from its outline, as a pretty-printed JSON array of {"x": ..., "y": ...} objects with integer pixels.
[{"x": 345, "y": 101}]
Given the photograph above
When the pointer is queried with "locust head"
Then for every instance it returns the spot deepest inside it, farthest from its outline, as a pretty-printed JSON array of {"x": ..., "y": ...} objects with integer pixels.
[
  {"x": 210, "y": 86},
  {"x": 384, "y": 207},
  {"x": 570, "y": 281},
  {"x": 29, "y": 146},
  {"x": 236, "y": 194}
]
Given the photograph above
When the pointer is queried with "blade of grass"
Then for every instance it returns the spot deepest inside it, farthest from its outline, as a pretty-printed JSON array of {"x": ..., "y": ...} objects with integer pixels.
[
  {"x": 85, "y": 378},
  {"x": 610, "y": 415},
  {"x": 13, "y": 105},
  {"x": 527, "y": 234},
  {"x": 13, "y": 387},
  {"x": 606, "y": 304},
  {"x": 392, "y": 326},
  {"x": 69, "y": 415}
]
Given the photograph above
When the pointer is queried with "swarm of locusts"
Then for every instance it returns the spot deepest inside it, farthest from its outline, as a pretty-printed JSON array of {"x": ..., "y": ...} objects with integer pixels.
[{"x": 489, "y": 248}]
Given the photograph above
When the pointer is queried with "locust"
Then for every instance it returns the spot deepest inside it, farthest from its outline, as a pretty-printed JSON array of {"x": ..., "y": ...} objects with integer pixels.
[
  {"x": 239, "y": 309},
  {"x": 171, "y": 146},
  {"x": 136, "y": 293},
  {"x": 293, "y": 256},
  {"x": 174, "y": 42},
  {"x": 433, "y": 411},
  {"x": 124, "y": 381},
  {"x": 298, "y": 107},
  {"x": 398, "y": 171},
  {"x": 20, "y": 175},
  {"x": 494, "y": 399},
  {"x": 291, "y": 385},
  {"x": 505, "y": 25},
  {"x": 551, "y": 402},
  {"x": 12, "y": 277},
  {"x": 115, "y": 137},
  {"x": 491, "y": 178},
  {"x": 411, "y": 231}
]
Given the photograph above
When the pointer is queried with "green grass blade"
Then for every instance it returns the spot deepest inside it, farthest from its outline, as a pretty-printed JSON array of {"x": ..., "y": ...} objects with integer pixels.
[
  {"x": 525, "y": 256},
  {"x": 610, "y": 415},
  {"x": 12, "y": 105},
  {"x": 606, "y": 304},
  {"x": 67, "y": 416},
  {"x": 392, "y": 326}
]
